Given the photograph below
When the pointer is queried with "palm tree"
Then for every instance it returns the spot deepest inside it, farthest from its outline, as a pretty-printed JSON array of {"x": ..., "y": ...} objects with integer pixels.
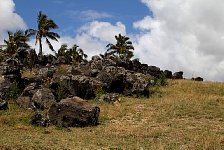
[
  {"x": 74, "y": 54},
  {"x": 77, "y": 54},
  {"x": 44, "y": 26},
  {"x": 16, "y": 41},
  {"x": 123, "y": 47}
]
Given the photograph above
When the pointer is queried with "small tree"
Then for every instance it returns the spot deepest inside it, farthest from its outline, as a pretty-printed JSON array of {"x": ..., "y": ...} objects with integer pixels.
[
  {"x": 16, "y": 41},
  {"x": 74, "y": 54},
  {"x": 123, "y": 47}
]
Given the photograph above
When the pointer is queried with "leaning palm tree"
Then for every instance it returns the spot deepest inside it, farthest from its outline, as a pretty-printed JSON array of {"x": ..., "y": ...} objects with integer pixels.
[
  {"x": 43, "y": 31},
  {"x": 123, "y": 47},
  {"x": 16, "y": 41}
]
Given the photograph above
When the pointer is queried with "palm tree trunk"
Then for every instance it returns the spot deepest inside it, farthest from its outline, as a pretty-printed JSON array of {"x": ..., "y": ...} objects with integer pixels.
[{"x": 40, "y": 50}]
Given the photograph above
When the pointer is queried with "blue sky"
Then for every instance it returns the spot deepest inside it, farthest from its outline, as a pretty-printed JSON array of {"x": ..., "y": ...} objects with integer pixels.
[{"x": 70, "y": 15}]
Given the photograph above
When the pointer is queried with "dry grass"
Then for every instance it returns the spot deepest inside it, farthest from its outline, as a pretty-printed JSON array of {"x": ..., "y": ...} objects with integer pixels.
[{"x": 184, "y": 115}]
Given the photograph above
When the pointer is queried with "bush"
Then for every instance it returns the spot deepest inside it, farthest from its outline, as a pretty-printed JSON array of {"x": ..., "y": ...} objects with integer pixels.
[
  {"x": 161, "y": 80},
  {"x": 98, "y": 91},
  {"x": 13, "y": 91},
  {"x": 60, "y": 91}
]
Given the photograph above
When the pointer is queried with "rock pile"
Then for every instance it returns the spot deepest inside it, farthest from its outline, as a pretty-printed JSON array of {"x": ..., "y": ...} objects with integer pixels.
[{"x": 63, "y": 93}]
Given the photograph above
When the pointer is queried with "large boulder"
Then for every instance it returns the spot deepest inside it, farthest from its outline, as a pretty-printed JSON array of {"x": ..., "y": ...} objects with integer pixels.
[
  {"x": 4, "y": 88},
  {"x": 73, "y": 112},
  {"x": 43, "y": 98},
  {"x": 178, "y": 75},
  {"x": 119, "y": 80},
  {"x": 137, "y": 84},
  {"x": 113, "y": 79},
  {"x": 25, "y": 102},
  {"x": 25, "y": 99},
  {"x": 197, "y": 79},
  {"x": 81, "y": 86},
  {"x": 168, "y": 74},
  {"x": 37, "y": 80}
]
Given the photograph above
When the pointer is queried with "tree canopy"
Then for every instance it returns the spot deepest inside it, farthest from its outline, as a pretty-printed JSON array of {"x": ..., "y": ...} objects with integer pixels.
[{"x": 123, "y": 47}]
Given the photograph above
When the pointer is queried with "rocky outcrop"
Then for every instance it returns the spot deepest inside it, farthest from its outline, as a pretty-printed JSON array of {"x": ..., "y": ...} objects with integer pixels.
[
  {"x": 119, "y": 80},
  {"x": 11, "y": 71},
  {"x": 78, "y": 85},
  {"x": 73, "y": 112}
]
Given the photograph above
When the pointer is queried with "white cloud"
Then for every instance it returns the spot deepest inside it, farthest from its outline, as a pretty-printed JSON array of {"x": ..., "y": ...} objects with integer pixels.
[
  {"x": 94, "y": 36},
  {"x": 8, "y": 18},
  {"x": 87, "y": 15},
  {"x": 183, "y": 35},
  {"x": 94, "y": 15}
]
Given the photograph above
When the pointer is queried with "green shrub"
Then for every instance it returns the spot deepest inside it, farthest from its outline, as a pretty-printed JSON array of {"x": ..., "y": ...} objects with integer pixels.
[
  {"x": 60, "y": 91},
  {"x": 13, "y": 91},
  {"x": 98, "y": 91},
  {"x": 161, "y": 80}
]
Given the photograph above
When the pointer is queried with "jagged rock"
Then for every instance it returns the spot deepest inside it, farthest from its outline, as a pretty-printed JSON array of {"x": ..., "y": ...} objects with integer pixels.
[
  {"x": 110, "y": 98},
  {"x": 197, "y": 79},
  {"x": 168, "y": 74},
  {"x": 94, "y": 72},
  {"x": 178, "y": 75},
  {"x": 82, "y": 86},
  {"x": 4, "y": 87},
  {"x": 39, "y": 119},
  {"x": 119, "y": 80},
  {"x": 43, "y": 98},
  {"x": 11, "y": 70},
  {"x": 25, "y": 99},
  {"x": 3, "y": 105},
  {"x": 38, "y": 80},
  {"x": 137, "y": 84},
  {"x": 73, "y": 112},
  {"x": 25, "y": 102},
  {"x": 113, "y": 79},
  {"x": 43, "y": 72},
  {"x": 30, "y": 90},
  {"x": 76, "y": 71}
]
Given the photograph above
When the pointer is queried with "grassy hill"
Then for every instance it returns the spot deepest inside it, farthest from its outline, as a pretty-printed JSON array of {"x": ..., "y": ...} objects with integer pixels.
[{"x": 183, "y": 115}]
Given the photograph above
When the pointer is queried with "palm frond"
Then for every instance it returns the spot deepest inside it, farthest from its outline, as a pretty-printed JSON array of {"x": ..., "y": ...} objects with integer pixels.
[{"x": 49, "y": 45}]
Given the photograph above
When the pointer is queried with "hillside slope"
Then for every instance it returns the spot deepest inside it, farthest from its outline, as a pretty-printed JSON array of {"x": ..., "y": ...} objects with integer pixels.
[{"x": 183, "y": 115}]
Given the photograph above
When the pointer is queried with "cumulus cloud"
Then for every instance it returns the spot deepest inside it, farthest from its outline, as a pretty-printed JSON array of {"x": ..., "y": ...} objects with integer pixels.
[
  {"x": 94, "y": 36},
  {"x": 8, "y": 18},
  {"x": 183, "y": 35}
]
